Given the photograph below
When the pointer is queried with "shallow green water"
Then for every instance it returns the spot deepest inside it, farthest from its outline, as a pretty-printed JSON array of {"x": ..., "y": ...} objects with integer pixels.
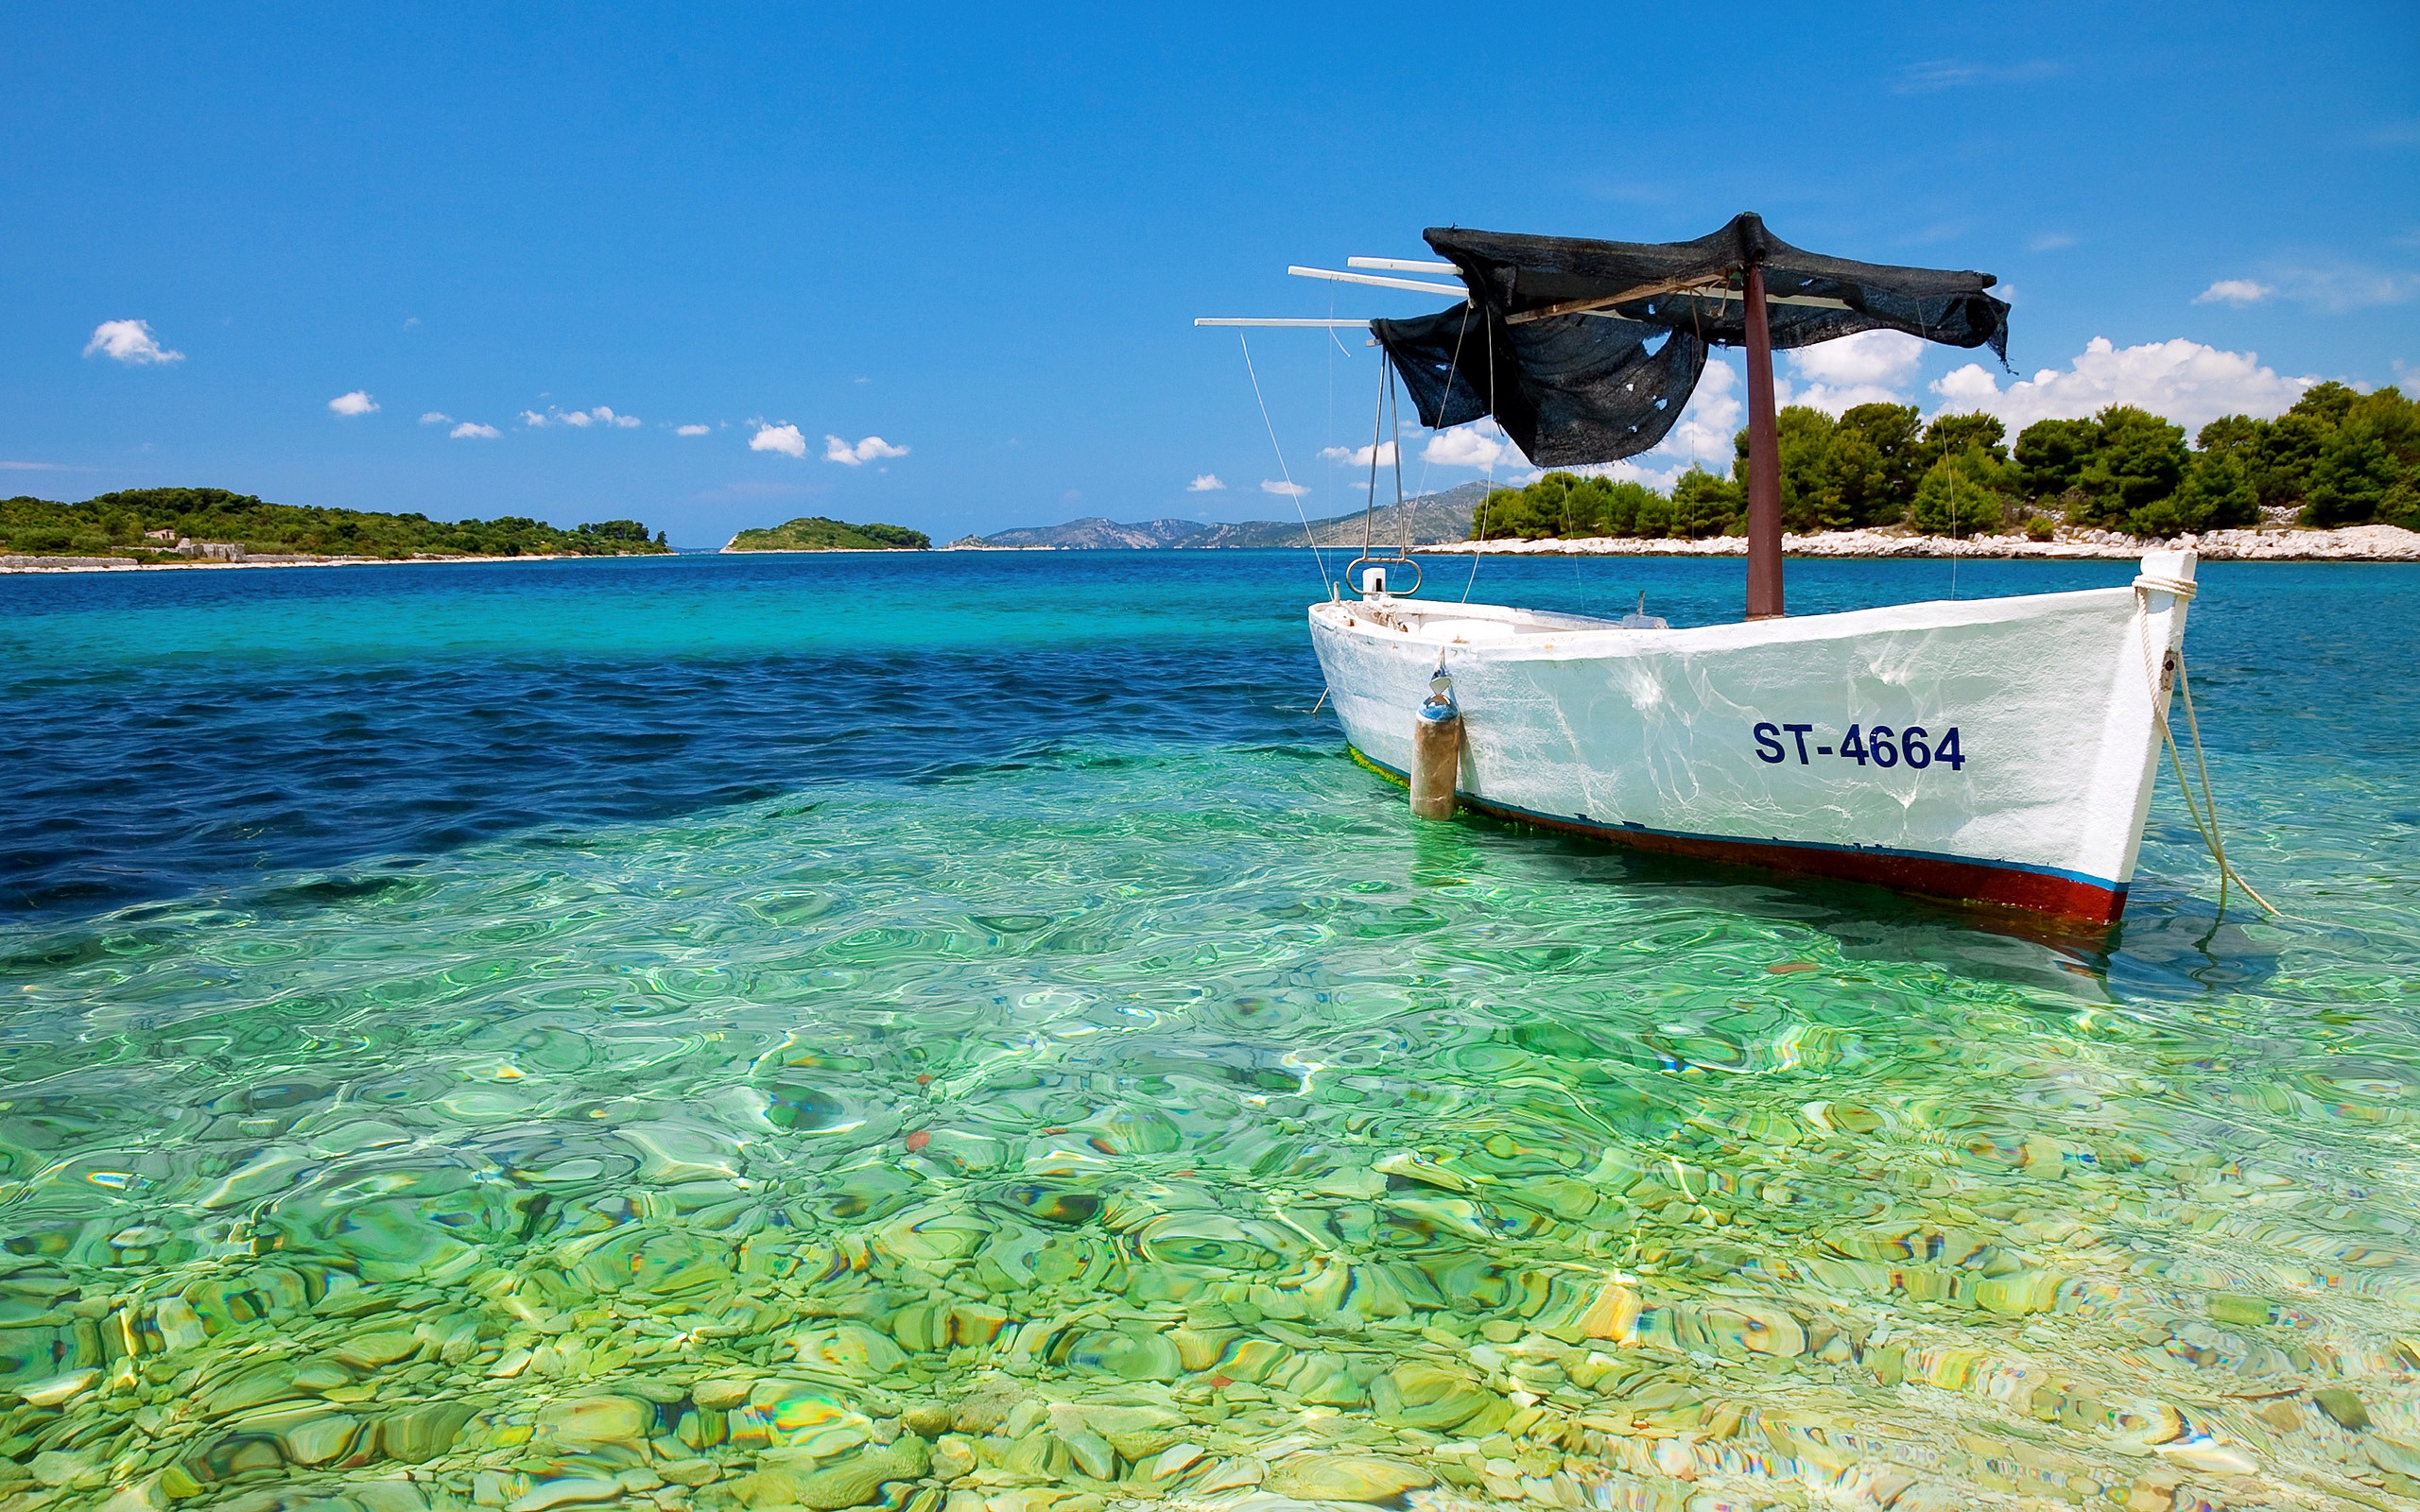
[{"x": 1153, "y": 1119}]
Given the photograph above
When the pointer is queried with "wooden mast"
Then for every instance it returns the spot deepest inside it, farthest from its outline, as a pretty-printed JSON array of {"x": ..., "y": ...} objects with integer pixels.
[{"x": 1764, "y": 460}]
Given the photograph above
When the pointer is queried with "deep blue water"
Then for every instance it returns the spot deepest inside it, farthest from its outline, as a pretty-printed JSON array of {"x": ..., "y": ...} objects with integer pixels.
[{"x": 193, "y": 732}]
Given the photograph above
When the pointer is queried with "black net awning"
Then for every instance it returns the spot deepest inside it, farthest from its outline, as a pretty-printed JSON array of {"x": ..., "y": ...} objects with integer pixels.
[{"x": 1586, "y": 352}]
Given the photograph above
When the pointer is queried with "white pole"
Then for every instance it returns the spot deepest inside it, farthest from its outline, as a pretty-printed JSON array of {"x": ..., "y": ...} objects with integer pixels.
[{"x": 1372, "y": 279}]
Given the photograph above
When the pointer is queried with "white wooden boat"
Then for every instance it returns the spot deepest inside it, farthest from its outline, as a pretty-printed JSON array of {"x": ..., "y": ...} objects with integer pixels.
[{"x": 1994, "y": 751}]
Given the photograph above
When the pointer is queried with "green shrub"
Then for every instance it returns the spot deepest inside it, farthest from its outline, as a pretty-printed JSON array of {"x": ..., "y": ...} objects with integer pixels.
[{"x": 1966, "y": 493}]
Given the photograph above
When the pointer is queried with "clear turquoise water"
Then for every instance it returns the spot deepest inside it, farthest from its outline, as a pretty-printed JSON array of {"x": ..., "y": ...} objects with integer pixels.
[{"x": 957, "y": 1030}]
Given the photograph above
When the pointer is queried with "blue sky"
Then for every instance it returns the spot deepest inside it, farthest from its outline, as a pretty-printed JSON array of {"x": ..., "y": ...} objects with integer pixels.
[{"x": 979, "y": 234}]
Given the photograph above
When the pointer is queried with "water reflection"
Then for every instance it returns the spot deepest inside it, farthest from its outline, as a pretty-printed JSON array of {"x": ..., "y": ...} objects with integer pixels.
[{"x": 1202, "y": 1135}]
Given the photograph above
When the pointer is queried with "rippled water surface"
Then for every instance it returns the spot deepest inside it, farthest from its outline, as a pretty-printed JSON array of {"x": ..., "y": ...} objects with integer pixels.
[{"x": 956, "y": 1032}]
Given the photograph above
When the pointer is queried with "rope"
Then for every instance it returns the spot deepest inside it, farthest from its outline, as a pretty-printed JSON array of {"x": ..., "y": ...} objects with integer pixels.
[
  {"x": 1487, "y": 474},
  {"x": 2205, "y": 811},
  {"x": 1395, "y": 438},
  {"x": 1291, "y": 491},
  {"x": 1377, "y": 436}
]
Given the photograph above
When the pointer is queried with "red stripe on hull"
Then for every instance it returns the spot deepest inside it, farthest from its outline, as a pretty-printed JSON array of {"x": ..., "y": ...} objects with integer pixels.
[
  {"x": 2066, "y": 898},
  {"x": 1960, "y": 882}
]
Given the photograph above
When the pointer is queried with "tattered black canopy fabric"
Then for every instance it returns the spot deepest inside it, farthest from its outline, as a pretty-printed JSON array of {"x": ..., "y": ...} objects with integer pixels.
[{"x": 1586, "y": 352}]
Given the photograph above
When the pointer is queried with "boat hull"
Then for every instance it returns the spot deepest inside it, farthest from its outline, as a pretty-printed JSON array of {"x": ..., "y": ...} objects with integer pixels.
[{"x": 1997, "y": 751}]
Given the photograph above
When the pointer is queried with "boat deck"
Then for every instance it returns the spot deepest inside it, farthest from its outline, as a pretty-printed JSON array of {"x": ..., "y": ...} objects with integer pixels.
[{"x": 1446, "y": 623}]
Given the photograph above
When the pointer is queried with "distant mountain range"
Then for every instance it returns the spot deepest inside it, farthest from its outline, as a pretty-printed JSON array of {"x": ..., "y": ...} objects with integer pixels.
[{"x": 1435, "y": 518}]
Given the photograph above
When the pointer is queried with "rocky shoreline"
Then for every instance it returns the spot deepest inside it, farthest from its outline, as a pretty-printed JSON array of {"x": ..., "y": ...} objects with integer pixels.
[
  {"x": 2353, "y": 544},
  {"x": 98, "y": 564}
]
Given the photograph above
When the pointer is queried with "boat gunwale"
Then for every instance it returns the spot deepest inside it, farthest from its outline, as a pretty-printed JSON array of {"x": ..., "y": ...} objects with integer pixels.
[{"x": 1605, "y": 638}]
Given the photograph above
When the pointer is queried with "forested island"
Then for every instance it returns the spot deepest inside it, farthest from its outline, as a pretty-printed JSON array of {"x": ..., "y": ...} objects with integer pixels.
[
  {"x": 182, "y": 526},
  {"x": 2338, "y": 458},
  {"x": 816, "y": 533}
]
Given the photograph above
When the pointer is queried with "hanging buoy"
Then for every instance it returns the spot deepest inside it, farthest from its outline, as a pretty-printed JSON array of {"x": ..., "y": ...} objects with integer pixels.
[{"x": 1436, "y": 750}]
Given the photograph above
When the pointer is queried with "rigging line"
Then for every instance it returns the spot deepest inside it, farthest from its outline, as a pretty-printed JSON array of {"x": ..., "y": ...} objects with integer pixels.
[
  {"x": 1378, "y": 434},
  {"x": 1394, "y": 407},
  {"x": 1954, "y": 534},
  {"x": 1327, "y": 436},
  {"x": 1291, "y": 491},
  {"x": 1487, "y": 475},
  {"x": 1453, "y": 365}
]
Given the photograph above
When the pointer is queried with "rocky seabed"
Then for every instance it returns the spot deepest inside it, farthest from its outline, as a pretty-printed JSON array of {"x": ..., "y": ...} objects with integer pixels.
[
  {"x": 2353, "y": 544},
  {"x": 1553, "y": 1337}
]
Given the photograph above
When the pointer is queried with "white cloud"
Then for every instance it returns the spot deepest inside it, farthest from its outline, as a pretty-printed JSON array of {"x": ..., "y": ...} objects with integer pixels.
[
  {"x": 2233, "y": 291},
  {"x": 1712, "y": 418},
  {"x": 1481, "y": 445},
  {"x": 1206, "y": 483},
  {"x": 2184, "y": 381},
  {"x": 436, "y": 417},
  {"x": 1887, "y": 358},
  {"x": 870, "y": 448},
  {"x": 2050, "y": 241},
  {"x": 1284, "y": 491},
  {"x": 691, "y": 430},
  {"x": 1870, "y": 368},
  {"x": 473, "y": 430},
  {"x": 579, "y": 419},
  {"x": 129, "y": 342},
  {"x": 1383, "y": 452},
  {"x": 786, "y": 439},
  {"x": 356, "y": 403}
]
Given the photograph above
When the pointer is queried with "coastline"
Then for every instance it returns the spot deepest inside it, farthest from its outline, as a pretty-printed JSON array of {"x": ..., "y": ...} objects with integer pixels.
[
  {"x": 2352, "y": 543},
  {"x": 2358, "y": 544},
  {"x": 120, "y": 564},
  {"x": 821, "y": 550}
]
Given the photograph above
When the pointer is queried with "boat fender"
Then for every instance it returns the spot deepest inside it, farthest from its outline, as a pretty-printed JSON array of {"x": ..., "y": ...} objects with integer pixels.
[{"x": 1436, "y": 750}]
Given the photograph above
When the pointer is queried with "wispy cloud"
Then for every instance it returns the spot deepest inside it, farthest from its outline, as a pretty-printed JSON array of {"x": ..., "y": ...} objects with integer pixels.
[
  {"x": 873, "y": 448},
  {"x": 1284, "y": 491},
  {"x": 2233, "y": 291},
  {"x": 40, "y": 467},
  {"x": 579, "y": 419},
  {"x": 436, "y": 417},
  {"x": 129, "y": 342},
  {"x": 356, "y": 403},
  {"x": 471, "y": 430},
  {"x": 787, "y": 439},
  {"x": 2050, "y": 241},
  {"x": 2185, "y": 381},
  {"x": 691, "y": 430},
  {"x": 1205, "y": 483},
  {"x": 2337, "y": 285},
  {"x": 1939, "y": 74}
]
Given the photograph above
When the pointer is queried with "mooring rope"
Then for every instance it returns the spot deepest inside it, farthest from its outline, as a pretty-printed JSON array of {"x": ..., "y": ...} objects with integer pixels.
[{"x": 2204, "y": 812}]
